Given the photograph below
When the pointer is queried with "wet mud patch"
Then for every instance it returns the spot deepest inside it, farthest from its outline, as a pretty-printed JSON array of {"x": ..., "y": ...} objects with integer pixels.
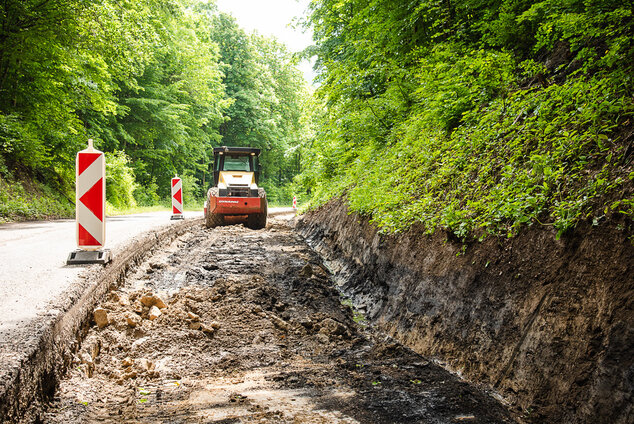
[{"x": 231, "y": 325}]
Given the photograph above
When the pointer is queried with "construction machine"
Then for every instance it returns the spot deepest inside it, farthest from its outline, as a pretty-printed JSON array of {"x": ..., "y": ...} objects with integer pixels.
[{"x": 236, "y": 195}]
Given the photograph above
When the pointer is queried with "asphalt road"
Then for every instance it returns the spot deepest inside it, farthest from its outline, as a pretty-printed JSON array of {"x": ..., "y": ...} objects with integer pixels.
[{"x": 33, "y": 255}]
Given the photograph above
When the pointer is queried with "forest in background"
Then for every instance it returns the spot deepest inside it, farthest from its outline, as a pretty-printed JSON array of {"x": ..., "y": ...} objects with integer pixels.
[
  {"x": 475, "y": 117},
  {"x": 156, "y": 83}
]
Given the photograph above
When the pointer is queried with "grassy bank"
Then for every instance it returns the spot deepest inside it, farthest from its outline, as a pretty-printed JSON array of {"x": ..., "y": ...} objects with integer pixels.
[{"x": 30, "y": 200}]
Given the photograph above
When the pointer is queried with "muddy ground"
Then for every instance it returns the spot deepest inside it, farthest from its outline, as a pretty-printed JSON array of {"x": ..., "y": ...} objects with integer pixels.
[{"x": 231, "y": 325}]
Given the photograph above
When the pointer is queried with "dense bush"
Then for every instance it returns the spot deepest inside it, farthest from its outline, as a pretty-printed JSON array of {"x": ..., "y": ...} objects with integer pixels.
[
  {"x": 477, "y": 118},
  {"x": 120, "y": 182}
]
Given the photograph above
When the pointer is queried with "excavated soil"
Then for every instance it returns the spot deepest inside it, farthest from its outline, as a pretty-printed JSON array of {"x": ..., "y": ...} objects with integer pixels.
[
  {"x": 231, "y": 325},
  {"x": 547, "y": 323}
]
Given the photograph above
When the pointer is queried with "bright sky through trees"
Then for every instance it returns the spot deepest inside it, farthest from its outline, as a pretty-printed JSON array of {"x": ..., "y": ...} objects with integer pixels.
[{"x": 274, "y": 17}]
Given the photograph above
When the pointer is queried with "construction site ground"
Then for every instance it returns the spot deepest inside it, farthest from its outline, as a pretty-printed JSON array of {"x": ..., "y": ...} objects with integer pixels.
[{"x": 231, "y": 325}]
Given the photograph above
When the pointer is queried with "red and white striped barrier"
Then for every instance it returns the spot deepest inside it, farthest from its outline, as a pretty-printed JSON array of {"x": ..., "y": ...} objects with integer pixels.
[
  {"x": 294, "y": 202},
  {"x": 177, "y": 198},
  {"x": 91, "y": 198},
  {"x": 90, "y": 207}
]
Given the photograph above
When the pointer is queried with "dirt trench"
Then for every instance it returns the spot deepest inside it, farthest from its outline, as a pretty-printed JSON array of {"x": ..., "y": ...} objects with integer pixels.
[
  {"x": 231, "y": 325},
  {"x": 547, "y": 323}
]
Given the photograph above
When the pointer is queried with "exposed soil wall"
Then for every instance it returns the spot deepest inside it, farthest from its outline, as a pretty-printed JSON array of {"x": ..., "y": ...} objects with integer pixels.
[{"x": 547, "y": 323}]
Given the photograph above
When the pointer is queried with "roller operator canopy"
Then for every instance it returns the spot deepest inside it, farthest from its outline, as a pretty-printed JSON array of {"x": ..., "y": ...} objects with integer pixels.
[{"x": 237, "y": 151}]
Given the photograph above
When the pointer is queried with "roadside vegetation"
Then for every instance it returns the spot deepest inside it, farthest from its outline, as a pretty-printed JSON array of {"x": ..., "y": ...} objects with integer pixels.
[
  {"x": 476, "y": 118},
  {"x": 473, "y": 117},
  {"x": 156, "y": 83}
]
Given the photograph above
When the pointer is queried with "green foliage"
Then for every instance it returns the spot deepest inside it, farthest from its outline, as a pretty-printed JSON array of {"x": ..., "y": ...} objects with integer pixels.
[
  {"x": 266, "y": 92},
  {"x": 477, "y": 118},
  {"x": 37, "y": 201},
  {"x": 156, "y": 83},
  {"x": 192, "y": 190},
  {"x": 146, "y": 195},
  {"x": 120, "y": 181}
]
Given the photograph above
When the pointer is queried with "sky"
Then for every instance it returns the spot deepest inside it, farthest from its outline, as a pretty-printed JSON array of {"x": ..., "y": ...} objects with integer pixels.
[{"x": 276, "y": 18}]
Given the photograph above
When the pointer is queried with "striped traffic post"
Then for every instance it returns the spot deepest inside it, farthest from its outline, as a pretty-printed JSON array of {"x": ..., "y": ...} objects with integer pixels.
[
  {"x": 294, "y": 202},
  {"x": 90, "y": 208},
  {"x": 177, "y": 198}
]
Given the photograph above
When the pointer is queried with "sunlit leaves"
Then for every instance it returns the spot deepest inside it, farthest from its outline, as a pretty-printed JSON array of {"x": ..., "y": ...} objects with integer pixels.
[{"x": 475, "y": 117}]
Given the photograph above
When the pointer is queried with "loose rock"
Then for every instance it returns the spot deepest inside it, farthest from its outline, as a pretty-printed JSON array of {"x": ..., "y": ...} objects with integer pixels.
[
  {"x": 152, "y": 300},
  {"x": 100, "y": 316},
  {"x": 307, "y": 271},
  {"x": 330, "y": 327},
  {"x": 132, "y": 319},
  {"x": 207, "y": 329},
  {"x": 154, "y": 313}
]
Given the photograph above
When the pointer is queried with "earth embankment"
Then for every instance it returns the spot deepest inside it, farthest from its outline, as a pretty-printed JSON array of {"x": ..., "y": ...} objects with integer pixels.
[{"x": 546, "y": 322}]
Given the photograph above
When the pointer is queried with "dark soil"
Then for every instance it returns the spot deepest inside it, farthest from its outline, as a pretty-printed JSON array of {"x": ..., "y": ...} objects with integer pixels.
[
  {"x": 548, "y": 323},
  {"x": 251, "y": 329}
]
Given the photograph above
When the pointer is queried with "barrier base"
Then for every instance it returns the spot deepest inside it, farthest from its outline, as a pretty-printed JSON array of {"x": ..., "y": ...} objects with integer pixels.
[
  {"x": 179, "y": 216},
  {"x": 82, "y": 257}
]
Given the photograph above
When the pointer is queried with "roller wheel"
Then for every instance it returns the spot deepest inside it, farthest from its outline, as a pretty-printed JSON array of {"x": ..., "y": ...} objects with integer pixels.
[
  {"x": 214, "y": 220},
  {"x": 257, "y": 221}
]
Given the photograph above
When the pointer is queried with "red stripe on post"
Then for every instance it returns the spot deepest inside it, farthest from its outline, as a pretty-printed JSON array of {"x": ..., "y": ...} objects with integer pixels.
[
  {"x": 179, "y": 196},
  {"x": 93, "y": 199},
  {"x": 85, "y": 238},
  {"x": 85, "y": 160}
]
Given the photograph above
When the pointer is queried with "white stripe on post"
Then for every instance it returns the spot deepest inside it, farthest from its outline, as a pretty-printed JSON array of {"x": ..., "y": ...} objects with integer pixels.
[
  {"x": 177, "y": 196},
  {"x": 90, "y": 206}
]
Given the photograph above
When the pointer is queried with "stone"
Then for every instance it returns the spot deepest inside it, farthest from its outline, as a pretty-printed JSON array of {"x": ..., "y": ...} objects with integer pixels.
[
  {"x": 100, "y": 315},
  {"x": 330, "y": 327},
  {"x": 195, "y": 325},
  {"x": 124, "y": 300},
  {"x": 162, "y": 368},
  {"x": 127, "y": 362},
  {"x": 207, "y": 329},
  {"x": 144, "y": 364},
  {"x": 154, "y": 313},
  {"x": 279, "y": 322},
  {"x": 193, "y": 316},
  {"x": 158, "y": 265},
  {"x": 132, "y": 319},
  {"x": 92, "y": 345},
  {"x": 306, "y": 271},
  {"x": 138, "y": 343},
  {"x": 147, "y": 300},
  {"x": 152, "y": 300},
  {"x": 215, "y": 325},
  {"x": 322, "y": 338}
]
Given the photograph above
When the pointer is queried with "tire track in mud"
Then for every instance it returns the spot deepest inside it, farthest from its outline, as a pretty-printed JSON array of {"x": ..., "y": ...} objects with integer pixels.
[{"x": 231, "y": 325}]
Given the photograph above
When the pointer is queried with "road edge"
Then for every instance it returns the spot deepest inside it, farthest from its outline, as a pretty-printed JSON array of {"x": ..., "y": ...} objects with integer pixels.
[{"x": 34, "y": 373}]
